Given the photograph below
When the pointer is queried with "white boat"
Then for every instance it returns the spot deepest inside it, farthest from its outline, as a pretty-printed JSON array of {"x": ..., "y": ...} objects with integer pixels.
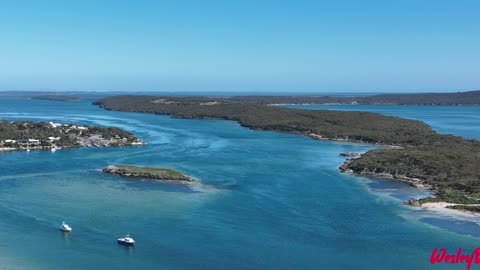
[
  {"x": 65, "y": 228},
  {"x": 53, "y": 149},
  {"x": 127, "y": 240}
]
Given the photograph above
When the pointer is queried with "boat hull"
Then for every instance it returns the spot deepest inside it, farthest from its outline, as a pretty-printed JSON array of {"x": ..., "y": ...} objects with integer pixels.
[{"x": 122, "y": 242}]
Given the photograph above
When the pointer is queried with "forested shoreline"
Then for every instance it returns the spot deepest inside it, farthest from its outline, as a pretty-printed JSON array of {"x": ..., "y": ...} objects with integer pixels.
[{"x": 447, "y": 164}]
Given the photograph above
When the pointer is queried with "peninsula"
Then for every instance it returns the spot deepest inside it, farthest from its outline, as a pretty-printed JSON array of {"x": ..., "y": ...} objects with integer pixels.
[
  {"x": 147, "y": 172},
  {"x": 28, "y": 135},
  {"x": 471, "y": 98},
  {"x": 443, "y": 163}
]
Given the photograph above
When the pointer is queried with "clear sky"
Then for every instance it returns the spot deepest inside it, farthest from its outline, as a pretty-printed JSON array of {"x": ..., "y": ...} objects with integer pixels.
[{"x": 315, "y": 46}]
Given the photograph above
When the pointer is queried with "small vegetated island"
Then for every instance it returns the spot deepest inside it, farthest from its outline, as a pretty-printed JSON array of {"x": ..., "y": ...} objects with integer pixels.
[
  {"x": 28, "y": 135},
  {"x": 448, "y": 165},
  {"x": 147, "y": 172}
]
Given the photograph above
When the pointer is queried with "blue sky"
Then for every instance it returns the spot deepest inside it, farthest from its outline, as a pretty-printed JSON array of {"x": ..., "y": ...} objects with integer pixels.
[{"x": 304, "y": 46}]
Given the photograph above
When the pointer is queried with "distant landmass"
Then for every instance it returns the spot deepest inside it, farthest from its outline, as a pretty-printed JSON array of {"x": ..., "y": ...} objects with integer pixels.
[
  {"x": 459, "y": 98},
  {"x": 446, "y": 164},
  {"x": 451, "y": 99},
  {"x": 319, "y": 124},
  {"x": 57, "y": 97}
]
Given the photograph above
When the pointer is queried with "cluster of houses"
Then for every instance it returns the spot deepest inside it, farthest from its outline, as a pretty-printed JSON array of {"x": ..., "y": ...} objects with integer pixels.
[
  {"x": 70, "y": 127},
  {"x": 32, "y": 143},
  {"x": 26, "y": 142},
  {"x": 23, "y": 142},
  {"x": 70, "y": 132}
]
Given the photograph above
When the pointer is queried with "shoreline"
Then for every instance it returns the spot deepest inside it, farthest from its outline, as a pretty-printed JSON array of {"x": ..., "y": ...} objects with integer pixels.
[
  {"x": 414, "y": 182},
  {"x": 305, "y": 128},
  {"x": 8, "y": 149},
  {"x": 153, "y": 173},
  {"x": 319, "y": 137},
  {"x": 440, "y": 207},
  {"x": 13, "y": 149}
]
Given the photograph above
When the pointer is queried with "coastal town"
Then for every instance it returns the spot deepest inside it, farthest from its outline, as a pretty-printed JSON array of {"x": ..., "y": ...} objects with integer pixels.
[{"x": 27, "y": 135}]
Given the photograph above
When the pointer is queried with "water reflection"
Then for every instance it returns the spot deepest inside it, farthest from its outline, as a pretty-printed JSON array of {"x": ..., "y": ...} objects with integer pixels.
[
  {"x": 66, "y": 237},
  {"x": 128, "y": 249}
]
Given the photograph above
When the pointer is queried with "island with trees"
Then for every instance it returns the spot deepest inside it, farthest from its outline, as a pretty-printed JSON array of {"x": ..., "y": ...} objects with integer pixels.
[
  {"x": 448, "y": 165},
  {"x": 147, "y": 172},
  {"x": 29, "y": 135}
]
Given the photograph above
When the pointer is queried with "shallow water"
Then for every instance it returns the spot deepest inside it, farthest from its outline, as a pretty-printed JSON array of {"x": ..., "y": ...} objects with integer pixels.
[{"x": 263, "y": 200}]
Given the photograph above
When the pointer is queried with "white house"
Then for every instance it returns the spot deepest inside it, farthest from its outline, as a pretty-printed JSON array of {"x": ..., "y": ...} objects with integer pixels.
[
  {"x": 54, "y": 125},
  {"x": 28, "y": 141}
]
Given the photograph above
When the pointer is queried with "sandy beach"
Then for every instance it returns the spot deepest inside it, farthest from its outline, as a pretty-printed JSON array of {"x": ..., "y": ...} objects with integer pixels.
[{"x": 441, "y": 207}]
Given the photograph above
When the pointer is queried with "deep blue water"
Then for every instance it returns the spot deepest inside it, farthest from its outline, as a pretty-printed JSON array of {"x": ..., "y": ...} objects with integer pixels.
[{"x": 263, "y": 200}]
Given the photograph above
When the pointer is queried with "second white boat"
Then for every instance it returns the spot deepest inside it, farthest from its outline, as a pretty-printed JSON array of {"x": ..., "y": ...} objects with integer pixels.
[{"x": 65, "y": 228}]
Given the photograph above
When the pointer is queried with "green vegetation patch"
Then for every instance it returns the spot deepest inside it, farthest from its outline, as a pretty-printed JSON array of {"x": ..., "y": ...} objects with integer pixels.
[
  {"x": 147, "y": 172},
  {"x": 471, "y": 208},
  {"x": 341, "y": 125},
  {"x": 163, "y": 171},
  {"x": 449, "y": 197},
  {"x": 447, "y": 163}
]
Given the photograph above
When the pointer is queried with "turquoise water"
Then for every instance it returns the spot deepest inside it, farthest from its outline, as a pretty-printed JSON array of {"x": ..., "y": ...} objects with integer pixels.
[{"x": 263, "y": 200}]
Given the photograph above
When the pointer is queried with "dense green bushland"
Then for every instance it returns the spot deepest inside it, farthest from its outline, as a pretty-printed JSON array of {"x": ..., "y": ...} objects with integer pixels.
[
  {"x": 460, "y": 98},
  {"x": 351, "y": 126},
  {"x": 448, "y": 163}
]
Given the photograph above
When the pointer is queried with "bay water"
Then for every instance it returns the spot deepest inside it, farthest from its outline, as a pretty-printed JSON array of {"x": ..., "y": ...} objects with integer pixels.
[{"x": 262, "y": 200}]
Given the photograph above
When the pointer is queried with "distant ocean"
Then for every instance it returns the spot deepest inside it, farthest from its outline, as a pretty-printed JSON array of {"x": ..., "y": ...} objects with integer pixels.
[{"x": 264, "y": 200}]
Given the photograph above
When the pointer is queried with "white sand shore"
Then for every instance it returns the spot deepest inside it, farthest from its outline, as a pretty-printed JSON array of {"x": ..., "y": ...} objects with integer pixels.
[
  {"x": 3, "y": 149},
  {"x": 441, "y": 207}
]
